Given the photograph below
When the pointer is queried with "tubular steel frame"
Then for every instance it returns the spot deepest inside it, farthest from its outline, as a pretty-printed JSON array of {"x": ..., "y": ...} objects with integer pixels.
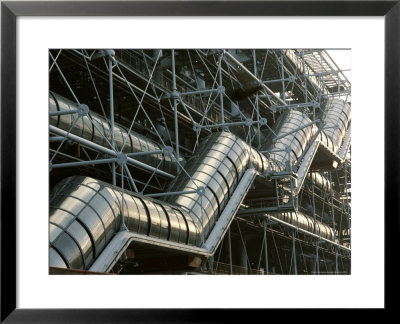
[{"x": 179, "y": 97}]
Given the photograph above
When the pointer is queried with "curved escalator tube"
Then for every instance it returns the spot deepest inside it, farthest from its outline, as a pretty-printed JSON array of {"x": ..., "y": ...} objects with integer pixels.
[
  {"x": 336, "y": 117},
  {"x": 217, "y": 166},
  {"x": 86, "y": 213},
  {"x": 286, "y": 150}
]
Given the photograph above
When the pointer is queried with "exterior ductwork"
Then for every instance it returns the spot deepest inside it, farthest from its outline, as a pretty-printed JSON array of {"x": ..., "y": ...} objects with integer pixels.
[
  {"x": 131, "y": 142},
  {"x": 306, "y": 223},
  {"x": 320, "y": 181},
  {"x": 86, "y": 213},
  {"x": 336, "y": 118}
]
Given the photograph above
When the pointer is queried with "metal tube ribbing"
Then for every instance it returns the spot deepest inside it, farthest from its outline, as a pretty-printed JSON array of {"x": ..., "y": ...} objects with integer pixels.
[
  {"x": 87, "y": 213},
  {"x": 319, "y": 181},
  {"x": 278, "y": 220},
  {"x": 97, "y": 129},
  {"x": 218, "y": 165},
  {"x": 218, "y": 158},
  {"x": 336, "y": 118},
  {"x": 293, "y": 132},
  {"x": 296, "y": 130},
  {"x": 237, "y": 157},
  {"x": 105, "y": 150}
]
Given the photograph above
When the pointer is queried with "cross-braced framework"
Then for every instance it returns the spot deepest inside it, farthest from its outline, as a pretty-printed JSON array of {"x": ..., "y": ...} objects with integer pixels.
[{"x": 199, "y": 161}]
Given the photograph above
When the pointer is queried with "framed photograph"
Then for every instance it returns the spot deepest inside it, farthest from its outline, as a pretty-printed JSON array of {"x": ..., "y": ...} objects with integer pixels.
[{"x": 163, "y": 158}]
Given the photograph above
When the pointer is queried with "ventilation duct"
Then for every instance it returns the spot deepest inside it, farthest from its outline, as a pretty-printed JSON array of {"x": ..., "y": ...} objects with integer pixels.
[
  {"x": 307, "y": 223},
  {"x": 96, "y": 129}
]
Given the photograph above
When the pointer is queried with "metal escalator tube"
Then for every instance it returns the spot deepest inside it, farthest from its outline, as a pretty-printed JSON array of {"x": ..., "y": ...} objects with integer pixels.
[
  {"x": 336, "y": 118},
  {"x": 86, "y": 213},
  {"x": 217, "y": 166},
  {"x": 286, "y": 149},
  {"x": 93, "y": 126}
]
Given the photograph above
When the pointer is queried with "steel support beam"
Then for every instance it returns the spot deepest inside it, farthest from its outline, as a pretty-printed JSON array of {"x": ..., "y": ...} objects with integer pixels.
[
  {"x": 110, "y": 76},
  {"x": 104, "y": 150},
  {"x": 75, "y": 164}
]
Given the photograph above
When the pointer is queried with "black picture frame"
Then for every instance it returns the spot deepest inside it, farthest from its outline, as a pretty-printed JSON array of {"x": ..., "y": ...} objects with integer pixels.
[{"x": 10, "y": 10}]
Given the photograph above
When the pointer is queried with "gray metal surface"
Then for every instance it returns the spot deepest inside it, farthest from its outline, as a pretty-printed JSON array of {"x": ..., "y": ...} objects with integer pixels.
[
  {"x": 280, "y": 221},
  {"x": 336, "y": 118},
  {"x": 121, "y": 240},
  {"x": 286, "y": 149},
  {"x": 86, "y": 213},
  {"x": 218, "y": 166},
  {"x": 230, "y": 210},
  {"x": 307, "y": 223},
  {"x": 96, "y": 129},
  {"x": 92, "y": 223},
  {"x": 320, "y": 181}
]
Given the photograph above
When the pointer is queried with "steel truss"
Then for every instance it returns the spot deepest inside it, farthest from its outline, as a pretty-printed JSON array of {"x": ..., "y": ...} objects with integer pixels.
[{"x": 172, "y": 101}]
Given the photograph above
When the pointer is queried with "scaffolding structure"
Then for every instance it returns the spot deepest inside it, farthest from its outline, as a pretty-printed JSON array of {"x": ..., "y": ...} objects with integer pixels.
[{"x": 199, "y": 161}]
